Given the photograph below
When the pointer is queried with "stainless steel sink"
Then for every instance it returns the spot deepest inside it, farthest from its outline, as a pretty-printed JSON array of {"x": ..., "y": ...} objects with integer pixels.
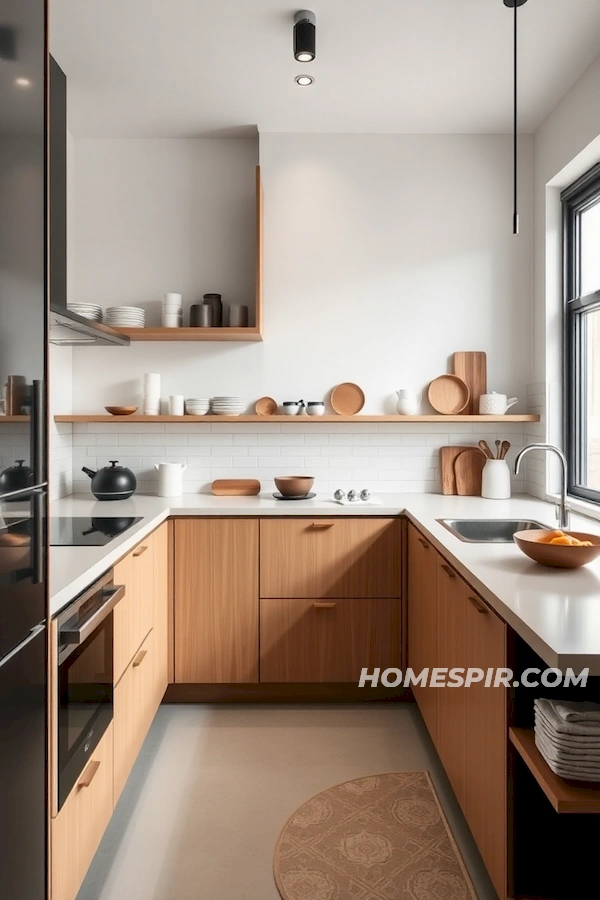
[{"x": 488, "y": 531}]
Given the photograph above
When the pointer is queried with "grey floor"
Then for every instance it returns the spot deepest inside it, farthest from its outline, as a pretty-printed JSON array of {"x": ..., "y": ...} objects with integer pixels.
[{"x": 214, "y": 785}]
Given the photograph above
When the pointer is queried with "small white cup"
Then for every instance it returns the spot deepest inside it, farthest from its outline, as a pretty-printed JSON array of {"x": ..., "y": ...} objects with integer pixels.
[
  {"x": 291, "y": 409},
  {"x": 173, "y": 300},
  {"x": 315, "y": 409},
  {"x": 176, "y": 404},
  {"x": 171, "y": 321}
]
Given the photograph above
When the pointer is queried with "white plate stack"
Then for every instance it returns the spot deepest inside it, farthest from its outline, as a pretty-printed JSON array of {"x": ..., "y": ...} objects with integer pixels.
[
  {"x": 125, "y": 317},
  {"x": 86, "y": 310},
  {"x": 197, "y": 407},
  {"x": 172, "y": 311},
  {"x": 228, "y": 406},
  {"x": 151, "y": 402}
]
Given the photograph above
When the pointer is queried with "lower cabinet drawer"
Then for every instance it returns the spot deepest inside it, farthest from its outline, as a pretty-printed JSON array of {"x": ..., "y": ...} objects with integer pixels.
[
  {"x": 327, "y": 640},
  {"x": 134, "y": 710},
  {"x": 78, "y": 828}
]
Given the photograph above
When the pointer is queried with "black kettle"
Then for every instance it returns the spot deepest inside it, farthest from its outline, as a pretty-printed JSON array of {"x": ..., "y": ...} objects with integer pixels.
[
  {"x": 16, "y": 478},
  {"x": 113, "y": 482}
]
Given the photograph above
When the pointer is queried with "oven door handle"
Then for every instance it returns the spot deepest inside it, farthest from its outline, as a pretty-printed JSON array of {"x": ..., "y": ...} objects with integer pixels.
[{"x": 81, "y": 634}]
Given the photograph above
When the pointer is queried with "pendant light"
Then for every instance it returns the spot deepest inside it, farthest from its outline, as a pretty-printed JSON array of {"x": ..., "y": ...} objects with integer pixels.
[
  {"x": 305, "y": 35},
  {"x": 515, "y": 4}
]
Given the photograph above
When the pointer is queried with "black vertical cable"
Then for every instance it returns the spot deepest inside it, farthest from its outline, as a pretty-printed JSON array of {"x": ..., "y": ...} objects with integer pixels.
[{"x": 515, "y": 127}]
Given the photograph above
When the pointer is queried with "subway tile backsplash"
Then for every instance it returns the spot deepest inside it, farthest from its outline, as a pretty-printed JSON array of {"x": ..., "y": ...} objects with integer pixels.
[{"x": 385, "y": 457}]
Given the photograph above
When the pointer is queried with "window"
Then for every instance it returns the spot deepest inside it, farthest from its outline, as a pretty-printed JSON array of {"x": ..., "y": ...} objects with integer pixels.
[{"x": 581, "y": 209}]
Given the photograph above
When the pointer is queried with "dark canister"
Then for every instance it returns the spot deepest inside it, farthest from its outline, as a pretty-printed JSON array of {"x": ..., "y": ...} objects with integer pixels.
[
  {"x": 201, "y": 315},
  {"x": 214, "y": 300},
  {"x": 238, "y": 316}
]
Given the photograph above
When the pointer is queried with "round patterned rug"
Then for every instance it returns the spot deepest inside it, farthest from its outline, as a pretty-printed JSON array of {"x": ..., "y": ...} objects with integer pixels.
[{"x": 383, "y": 837}]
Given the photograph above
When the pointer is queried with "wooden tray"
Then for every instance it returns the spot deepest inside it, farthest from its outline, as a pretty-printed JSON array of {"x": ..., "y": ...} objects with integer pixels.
[
  {"x": 472, "y": 368},
  {"x": 468, "y": 470},
  {"x": 235, "y": 487},
  {"x": 448, "y": 457},
  {"x": 347, "y": 399},
  {"x": 448, "y": 395}
]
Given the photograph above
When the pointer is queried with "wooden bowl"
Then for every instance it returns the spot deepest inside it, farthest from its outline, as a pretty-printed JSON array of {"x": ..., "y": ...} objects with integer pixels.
[
  {"x": 121, "y": 410},
  {"x": 557, "y": 556},
  {"x": 449, "y": 395},
  {"x": 266, "y": 406},
  {"x": 294, "y": 485}
]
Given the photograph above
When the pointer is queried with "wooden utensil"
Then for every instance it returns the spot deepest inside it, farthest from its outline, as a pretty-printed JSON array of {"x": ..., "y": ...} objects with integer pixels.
[
  {"x": 484, "y": 447},
  {"x": 235, "y": 487},
  {"x": 448, "y": 457},
  {"x": 266, "y": 406},
  {"x": 472, "y": 368},
  {"x": 468, "y": 469},
  {"x": 498, "y": 445},
  {"x": 448, "y": 394},
  {"x": 347, "y": 399},
  {"x": 504, "y": 448}
]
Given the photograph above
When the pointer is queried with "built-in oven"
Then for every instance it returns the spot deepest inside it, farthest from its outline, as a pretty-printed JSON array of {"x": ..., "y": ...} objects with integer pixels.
[{"x": 85, "y": 678}]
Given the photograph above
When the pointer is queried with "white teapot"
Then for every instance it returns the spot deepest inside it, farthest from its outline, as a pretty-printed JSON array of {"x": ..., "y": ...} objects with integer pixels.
[
  {"x": 495, "y": 404},
  {"x": 407, "y": 403}
]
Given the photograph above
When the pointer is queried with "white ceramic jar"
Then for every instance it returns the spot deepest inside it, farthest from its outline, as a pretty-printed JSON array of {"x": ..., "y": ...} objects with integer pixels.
[
  {"x": 170, "y": 479},
  {"x": 407, "y": 403},
  {"x": 495, "y": 480}
]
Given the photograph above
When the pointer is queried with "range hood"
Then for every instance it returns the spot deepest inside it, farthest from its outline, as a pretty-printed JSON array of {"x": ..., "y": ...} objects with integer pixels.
[{"x": 70, "y": 330}]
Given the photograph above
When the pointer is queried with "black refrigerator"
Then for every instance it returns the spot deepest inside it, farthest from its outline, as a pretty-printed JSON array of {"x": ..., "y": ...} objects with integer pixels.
[{"x": 23, "y": 449}]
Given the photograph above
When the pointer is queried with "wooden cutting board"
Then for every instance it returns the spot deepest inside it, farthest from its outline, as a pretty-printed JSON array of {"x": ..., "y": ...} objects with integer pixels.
[
  {"x": 448, "y": 457},
  {"x": 468, "y": 468},
  {"x": 472, "y": 368},
  {"x": 235, "y": 487}
]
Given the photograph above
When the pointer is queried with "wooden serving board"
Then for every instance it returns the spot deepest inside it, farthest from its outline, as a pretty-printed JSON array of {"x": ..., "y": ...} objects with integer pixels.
[
  {"x": 472, "y": 368},
  {"x": 235, "y": 487},
  {"x": 448, "y": 457},
  {"x": 468, "y": 469}
]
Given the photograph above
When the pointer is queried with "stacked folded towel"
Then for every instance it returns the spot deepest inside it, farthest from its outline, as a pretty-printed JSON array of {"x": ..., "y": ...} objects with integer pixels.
[{"x": 567, "y": 734}]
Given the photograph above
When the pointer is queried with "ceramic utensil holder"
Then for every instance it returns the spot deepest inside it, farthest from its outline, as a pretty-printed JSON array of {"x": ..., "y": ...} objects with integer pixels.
[{"x": 495, "y": 480}]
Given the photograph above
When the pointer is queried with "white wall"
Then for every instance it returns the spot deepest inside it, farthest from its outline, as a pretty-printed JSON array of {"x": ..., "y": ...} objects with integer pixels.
[{"x": 383, "y": 255}]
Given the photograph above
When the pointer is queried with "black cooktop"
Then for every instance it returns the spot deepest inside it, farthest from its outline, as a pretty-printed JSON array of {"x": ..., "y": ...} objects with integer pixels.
[{"x": 88, "y": 531}]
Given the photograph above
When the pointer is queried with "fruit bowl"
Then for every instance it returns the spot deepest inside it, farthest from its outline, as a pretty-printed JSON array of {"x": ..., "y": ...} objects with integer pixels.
[{"x": 534, "y": 544}]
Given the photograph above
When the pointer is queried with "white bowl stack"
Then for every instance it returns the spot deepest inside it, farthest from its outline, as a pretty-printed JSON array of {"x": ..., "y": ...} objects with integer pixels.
[
  {"x": 197, "y": 407},
  {"x": 86, "y": 310},
  {"x": 228, "y": 406},
  {"x": 151, "y": 403},
  {"x": 125, "y": 317},
  {"x": 172, "y": 311}
]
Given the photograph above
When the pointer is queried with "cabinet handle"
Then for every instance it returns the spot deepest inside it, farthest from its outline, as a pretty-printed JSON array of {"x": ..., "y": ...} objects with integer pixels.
[
  {"x": 449, "y": 572},
  {"x": 322, "y": 524},
  {"x": 140, "y": 550},
  {"x": 89, "y": 774},
  {"x": 139, "y": 658},
  {"x": 324, "y": 605},
  {"x": 424, "y": 543},
  {"x": 479, "y": 606}
]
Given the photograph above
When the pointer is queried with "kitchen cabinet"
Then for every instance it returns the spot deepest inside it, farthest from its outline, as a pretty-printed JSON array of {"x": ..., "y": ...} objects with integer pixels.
[
  {"x": 134, "y": 709},
  {"x": 327, "y": 640},
  {"x": 78, "y": 828},
  {"x": 216, "y": 601},
  {"x": 330, "y": 558},
  {"x": 161, "y": 618},
  {"x": 422, "y": 616},
  {"x": 134, "y": 614}
]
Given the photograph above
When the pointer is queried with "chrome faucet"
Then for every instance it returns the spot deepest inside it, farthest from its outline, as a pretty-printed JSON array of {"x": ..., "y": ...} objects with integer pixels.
[{"x": 562, "y": 510}]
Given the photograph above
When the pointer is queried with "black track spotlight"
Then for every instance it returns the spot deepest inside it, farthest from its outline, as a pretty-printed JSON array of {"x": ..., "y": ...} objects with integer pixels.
[{"x": 305, "y": 36}]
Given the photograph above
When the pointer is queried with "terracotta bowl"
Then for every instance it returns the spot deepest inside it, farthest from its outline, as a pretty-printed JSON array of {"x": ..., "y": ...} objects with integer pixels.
[
  {"x": 556, "y": 555},
  {"x": 120, "y": 410},
  {"x": 294, "y": 485}
]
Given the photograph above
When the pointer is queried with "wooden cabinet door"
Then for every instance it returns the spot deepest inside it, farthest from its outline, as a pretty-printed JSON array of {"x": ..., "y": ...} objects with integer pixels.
[
  {"x": 134, "y": 614},
  {"x": 216, "y": 601},
  {"x": 81, "y": 822},
  {"x": 327, "y": 640},
  {"x": 304, "y": 558},
  {"x": 134, "y": 709},
  {"x": 161, "y": 622},
  {"x": 486, "y": 746},
  {"x": 423, "y": 621},
  {"x": 452, "y": 720}
]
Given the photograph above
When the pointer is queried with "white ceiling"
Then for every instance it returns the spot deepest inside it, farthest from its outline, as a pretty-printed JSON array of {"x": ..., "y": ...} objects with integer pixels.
[{"x": 190, "y": 67}]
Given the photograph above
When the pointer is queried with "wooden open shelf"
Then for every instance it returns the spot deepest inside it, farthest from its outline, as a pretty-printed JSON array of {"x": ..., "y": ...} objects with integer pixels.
[
  {"x": 298, "y": 420},
  {"x": 191, "y": 334},
  {"x": 565, "y": 796},
  {"x": 6, "y": 420}
]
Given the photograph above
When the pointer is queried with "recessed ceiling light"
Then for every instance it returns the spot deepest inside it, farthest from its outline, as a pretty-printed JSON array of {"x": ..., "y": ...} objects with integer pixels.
[
  {"x": 22, "y": 82},
  {"x": 305, "y": 35},
  {"x": 304, "y": 80}
]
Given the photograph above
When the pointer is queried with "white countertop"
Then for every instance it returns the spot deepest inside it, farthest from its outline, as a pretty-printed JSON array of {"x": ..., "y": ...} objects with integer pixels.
[{"x": 557, "y": 611}]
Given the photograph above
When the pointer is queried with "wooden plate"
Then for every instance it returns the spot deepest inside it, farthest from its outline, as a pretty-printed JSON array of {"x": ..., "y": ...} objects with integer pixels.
[
  {"x": 266, "y": 406},
  {"x": 448, "y": 395},
  {"x": 347, "y": 399},
  {"x": 121, "y": 410}
]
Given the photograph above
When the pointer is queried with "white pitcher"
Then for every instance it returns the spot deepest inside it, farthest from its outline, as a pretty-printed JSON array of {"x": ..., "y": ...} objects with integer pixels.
[
  {"x": 495, "y": 404},
  {"x": 407, "y": 403},
  {"x": 170, "y": 478}
]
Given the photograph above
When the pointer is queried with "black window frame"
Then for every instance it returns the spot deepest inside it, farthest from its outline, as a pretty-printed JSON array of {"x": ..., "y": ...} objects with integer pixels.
[{"x": 576, "y": 199}]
